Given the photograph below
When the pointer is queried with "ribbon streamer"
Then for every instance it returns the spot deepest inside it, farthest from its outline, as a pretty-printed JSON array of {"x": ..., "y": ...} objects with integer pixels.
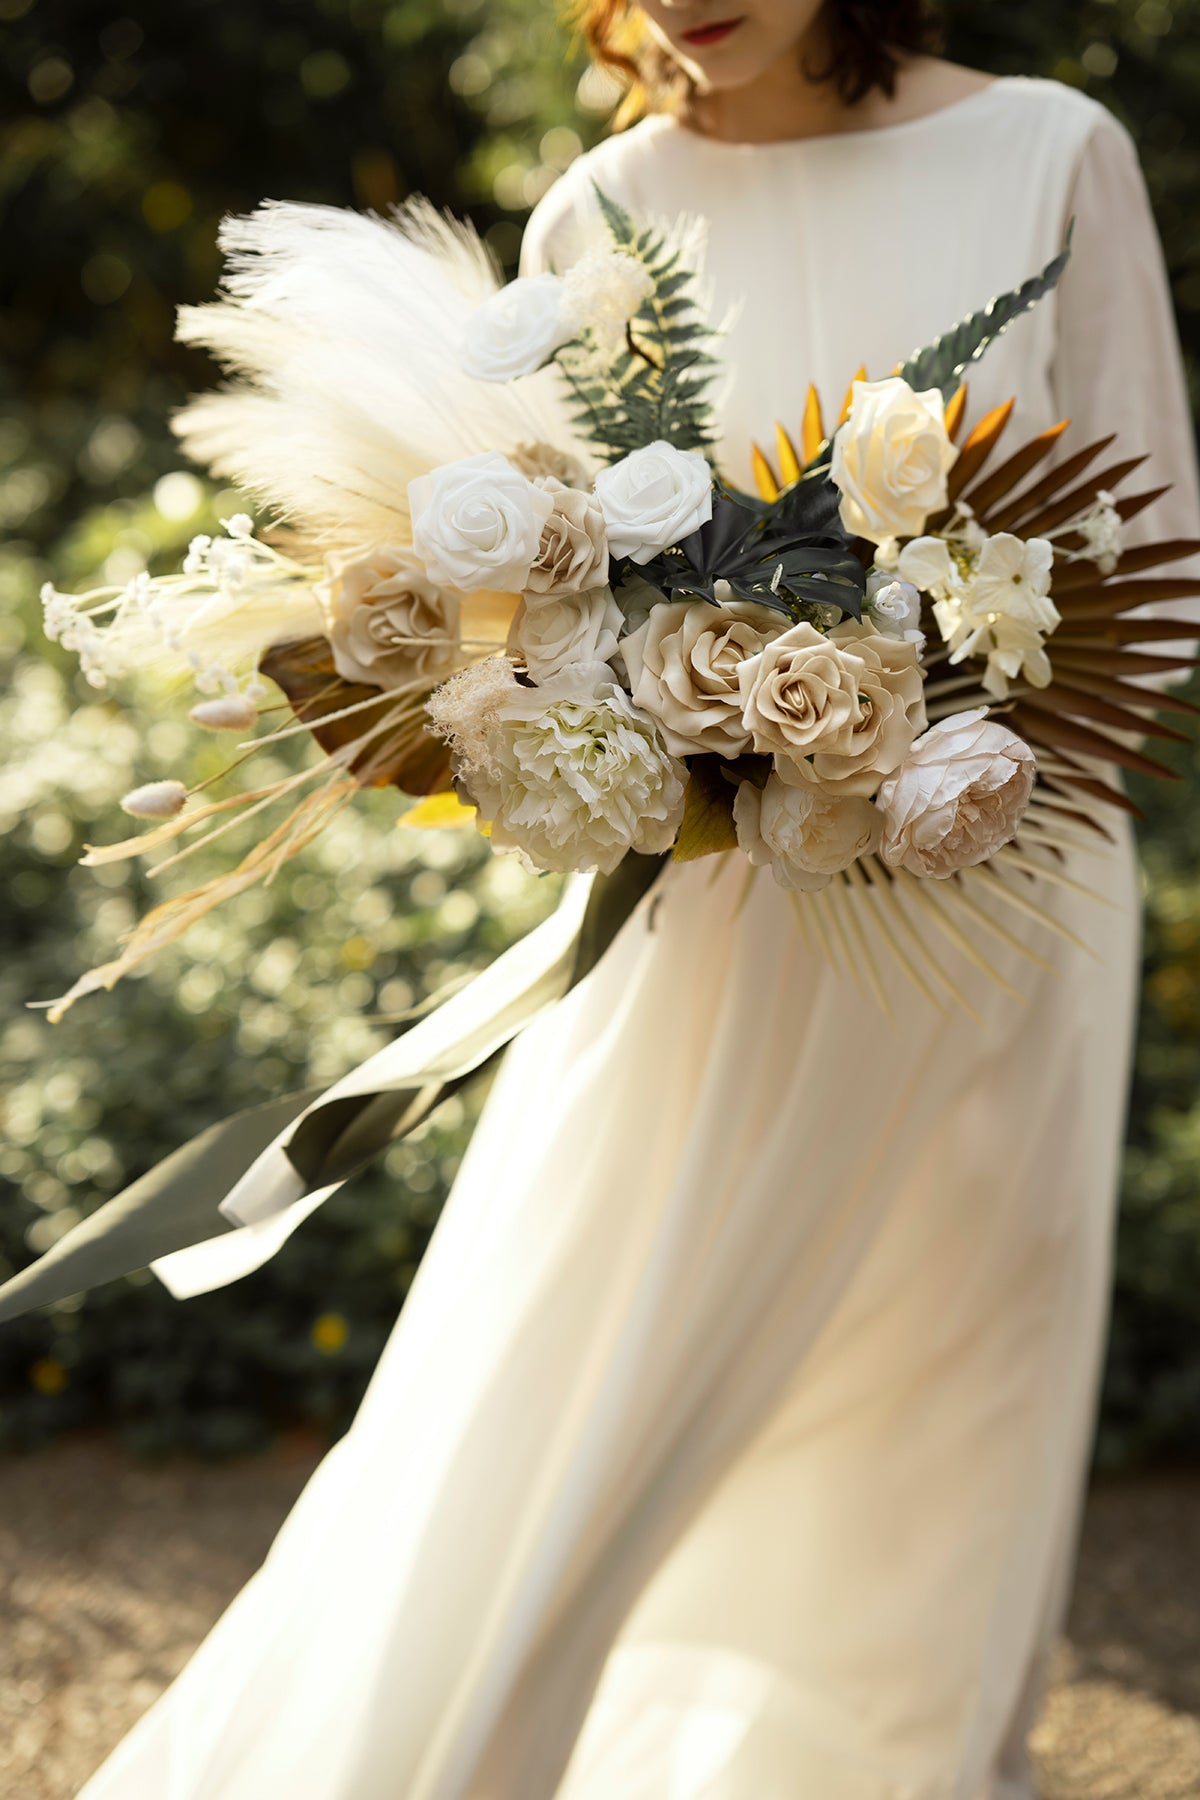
[{"x": 220, "y": 1206}]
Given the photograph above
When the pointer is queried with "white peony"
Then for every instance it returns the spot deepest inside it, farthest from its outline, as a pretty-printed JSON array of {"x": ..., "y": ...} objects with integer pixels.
[
  {"x": 516, "y": 330},
  {"x": 653, "y": 497},
  {"x": 958, "y": 796},
  {"x": 554, "y": 632},
  {"x": 478, "y": 523},
  {"x": 804, "y": 835},
  {"x": 575, "y": 776},
  {"x": 683, "y": 667},
  {"x": 891, "y": 459}
]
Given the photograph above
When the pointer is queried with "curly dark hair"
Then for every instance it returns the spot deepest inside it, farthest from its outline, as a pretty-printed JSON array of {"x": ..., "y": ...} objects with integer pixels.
[{"x": 867, "y": 39}]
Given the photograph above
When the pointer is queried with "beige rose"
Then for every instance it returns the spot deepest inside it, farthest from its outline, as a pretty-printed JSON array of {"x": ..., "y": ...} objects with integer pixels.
[
  {"x": 891, "y": 459},
  {"x": 535, "y": 457},
  {"x": 555, "y": 632},
  {"x": 388, "y": 622},
  {"x": 841, "y": 709},
  {"x": 683, "y": 670},
  {"x": 803, "y": 834},
  {"x": 957, "y": 797},
  {"x": 573, "y": 553}
]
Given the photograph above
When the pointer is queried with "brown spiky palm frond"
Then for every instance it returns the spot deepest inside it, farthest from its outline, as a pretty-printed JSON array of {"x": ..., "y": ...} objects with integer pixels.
[
  {"x": 1105, "y": 643},
  {"x": 1094, "y": 714}
]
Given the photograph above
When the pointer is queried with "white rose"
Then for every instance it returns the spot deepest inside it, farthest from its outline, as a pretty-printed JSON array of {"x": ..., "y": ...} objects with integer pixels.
[
  {"x": 576, "y": 776},
  {"x": 843, "y": 708},
  {"x": 957, "y": 797},
  {"x": 891, "y": 459},
  {"x": 893, "y": 606},
  {"x": 683, "y": 667},
  {"x": 478, "y": 523},
  {"x": 388, "y": 623},
  {"x": 804, "y": 835},
  {"x": 653, "y": 497},
  {"x": 516, "y": 330},
  {"x": 552, "y": 632},
  {"x": 573, "y": 553}
]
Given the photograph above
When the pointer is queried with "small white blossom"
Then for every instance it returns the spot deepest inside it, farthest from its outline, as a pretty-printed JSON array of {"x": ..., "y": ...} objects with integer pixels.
[{"x": 1101, "y": 528}]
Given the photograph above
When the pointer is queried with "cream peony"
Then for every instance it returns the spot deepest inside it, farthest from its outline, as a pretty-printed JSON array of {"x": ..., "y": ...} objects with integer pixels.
[
  {"x": 957, "y": 797},
  {"x": 573, "y": 552},
  {"x": 555, "y": 632},
  {"x": 653, "y": 497},
  {"x": 516, "y": 329},
  {"x": 575, "y": 776},
  {"x": 478, "y": 523},
  {"x": 891, "y": 459},
  {"x": 388, "y": 623},
  {"x": 842, "y": 709},
  {"x": 803, "y": 834},
  {"x": 683, "y": 670}
]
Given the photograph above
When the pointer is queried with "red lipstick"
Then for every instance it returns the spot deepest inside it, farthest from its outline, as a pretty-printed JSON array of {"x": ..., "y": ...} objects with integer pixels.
[{"x": 711, "y": 34}]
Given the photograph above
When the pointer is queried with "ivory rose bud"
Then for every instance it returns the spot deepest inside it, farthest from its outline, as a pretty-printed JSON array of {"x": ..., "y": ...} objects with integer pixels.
[
  {"x": 683, "y": 667},
  {"x": 891, "y": 459},
  {"x": 804, "y": 835},
  {"x": 387, "y": 622},
  {"x": 554, "y": 632},
  {"x": 842, "y": 709},
  {"x": 573, "y": 552},
  {"x": 653, "y": 497},
  {"x": 958, "y": 796},
  {"x": 478, "y": 523},
  {"x": 516, "y": 329}
]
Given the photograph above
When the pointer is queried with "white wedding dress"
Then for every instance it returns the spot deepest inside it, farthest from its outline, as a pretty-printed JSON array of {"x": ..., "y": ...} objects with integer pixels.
[{"x": 730, "y": 1444}]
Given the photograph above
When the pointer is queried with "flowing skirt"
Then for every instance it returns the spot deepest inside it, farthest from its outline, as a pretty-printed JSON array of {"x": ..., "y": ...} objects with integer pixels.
[{"x": 730, "y": 1443}]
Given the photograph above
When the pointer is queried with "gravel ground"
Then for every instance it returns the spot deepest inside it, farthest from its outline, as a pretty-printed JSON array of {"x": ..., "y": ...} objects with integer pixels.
[{"x": 112, "y": 1570}]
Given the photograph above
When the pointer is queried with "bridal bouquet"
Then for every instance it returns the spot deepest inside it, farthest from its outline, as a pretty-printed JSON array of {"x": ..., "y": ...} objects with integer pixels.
[{"x": 504, "y": 574}]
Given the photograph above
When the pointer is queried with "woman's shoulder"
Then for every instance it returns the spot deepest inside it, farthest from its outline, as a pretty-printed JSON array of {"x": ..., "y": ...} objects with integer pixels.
[
  {"x": 559, "y": 223},
  {"x": 1039, "y": 102}
]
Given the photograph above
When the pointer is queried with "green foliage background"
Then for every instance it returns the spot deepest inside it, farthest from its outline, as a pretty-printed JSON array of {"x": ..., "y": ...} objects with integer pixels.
[{"x": 126, "y": 136}]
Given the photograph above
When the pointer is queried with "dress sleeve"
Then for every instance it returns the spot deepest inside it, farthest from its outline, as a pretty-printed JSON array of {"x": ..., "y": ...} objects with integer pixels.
[
  {"x": 1117, "y": 362},
  {"x": 559, "y": 226}
]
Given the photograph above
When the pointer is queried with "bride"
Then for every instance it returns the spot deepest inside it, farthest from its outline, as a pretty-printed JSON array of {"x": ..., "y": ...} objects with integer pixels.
[{"x": 731, "y": 1443}]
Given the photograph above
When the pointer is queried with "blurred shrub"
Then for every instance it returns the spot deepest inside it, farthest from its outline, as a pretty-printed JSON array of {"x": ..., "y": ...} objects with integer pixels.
[{"x": 124, "y": 140}]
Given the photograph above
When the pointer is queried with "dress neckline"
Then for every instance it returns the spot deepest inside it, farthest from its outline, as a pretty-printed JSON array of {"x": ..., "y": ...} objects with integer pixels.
[{"x": 667, "y": 123}]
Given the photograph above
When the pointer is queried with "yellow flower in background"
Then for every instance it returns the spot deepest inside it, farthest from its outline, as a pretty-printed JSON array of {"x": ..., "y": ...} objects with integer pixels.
[
  {"x": 329, "y": 1333},
  {"x": 48, "y": 1375}
]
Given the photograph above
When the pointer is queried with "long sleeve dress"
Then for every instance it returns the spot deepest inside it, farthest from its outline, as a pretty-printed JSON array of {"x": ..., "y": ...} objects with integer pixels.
[{"x": 731, "y": 1441}]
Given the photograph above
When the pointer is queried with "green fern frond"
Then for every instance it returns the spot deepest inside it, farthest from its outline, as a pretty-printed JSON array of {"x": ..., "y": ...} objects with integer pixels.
[{"x": 658, "y": 386}]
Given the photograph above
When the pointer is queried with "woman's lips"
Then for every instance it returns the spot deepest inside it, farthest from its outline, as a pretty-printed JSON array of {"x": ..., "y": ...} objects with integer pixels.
[{"x": 711, "y": 34}]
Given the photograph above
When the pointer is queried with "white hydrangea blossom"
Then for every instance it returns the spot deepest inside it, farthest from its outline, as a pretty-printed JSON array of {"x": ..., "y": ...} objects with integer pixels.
[{"x": 602, "y": 292}]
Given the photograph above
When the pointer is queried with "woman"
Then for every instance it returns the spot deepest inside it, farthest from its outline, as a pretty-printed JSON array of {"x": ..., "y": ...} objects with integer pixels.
[{"x": 731, "y": 1442}]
